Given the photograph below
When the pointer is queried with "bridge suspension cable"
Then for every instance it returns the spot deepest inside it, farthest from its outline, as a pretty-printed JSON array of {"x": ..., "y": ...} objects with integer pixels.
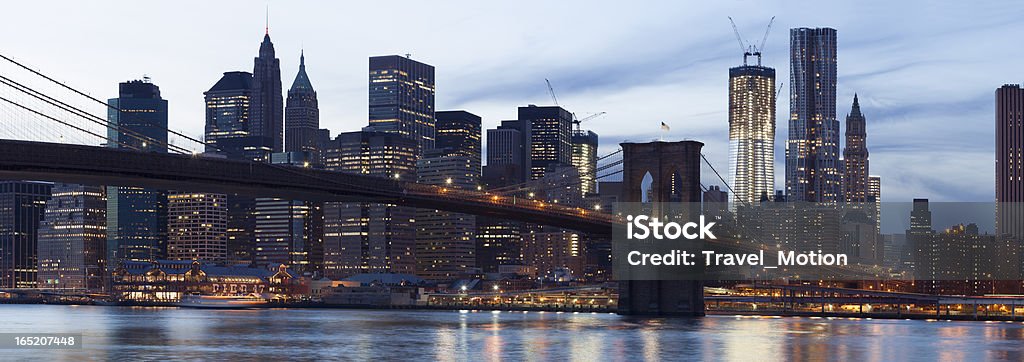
[{"x": 105, "y": 104}]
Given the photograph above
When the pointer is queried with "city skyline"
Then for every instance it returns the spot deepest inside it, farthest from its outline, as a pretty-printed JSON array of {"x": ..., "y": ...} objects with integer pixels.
[{"x": 690, "y": 94}]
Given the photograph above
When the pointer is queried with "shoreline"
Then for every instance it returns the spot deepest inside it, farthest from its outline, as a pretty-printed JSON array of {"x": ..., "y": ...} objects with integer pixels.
[{"x": 717, "y": 313}]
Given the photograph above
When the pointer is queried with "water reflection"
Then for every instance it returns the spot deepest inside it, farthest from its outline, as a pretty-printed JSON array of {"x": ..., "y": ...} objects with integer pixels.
[{"x": 169, "y": 333}]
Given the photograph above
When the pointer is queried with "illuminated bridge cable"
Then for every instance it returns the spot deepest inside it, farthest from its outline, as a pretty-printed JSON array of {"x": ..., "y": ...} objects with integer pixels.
[
  {"x": 22, "y": 66},
  {"x": 60, "y": 121},
  {"x": 90, "y": 117}
]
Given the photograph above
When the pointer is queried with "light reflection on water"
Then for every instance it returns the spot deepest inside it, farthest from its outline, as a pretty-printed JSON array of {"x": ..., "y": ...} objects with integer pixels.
[{"x": 170, "y": 333}]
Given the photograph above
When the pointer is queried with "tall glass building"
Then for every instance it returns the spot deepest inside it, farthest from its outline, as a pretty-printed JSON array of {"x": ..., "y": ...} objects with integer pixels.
[
  {"x": 812, "y": 150},
  {"x": 137, "y": 217},
  {"x": 73, "y": 238},
  {"x": 751, "y": 133},
  {"x": 402, "y": 99},
  {"x": 1010, "y": 161}
]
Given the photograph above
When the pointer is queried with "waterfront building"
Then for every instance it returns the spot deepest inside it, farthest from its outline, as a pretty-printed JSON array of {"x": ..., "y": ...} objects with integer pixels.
[
  {"x": 22, "y": 205},
  {"x": 73, "y": 238},
  {"x": 290, "y": 232},
  {"x": 197, "y": 226},
  {"x": 166, "y": 281}
]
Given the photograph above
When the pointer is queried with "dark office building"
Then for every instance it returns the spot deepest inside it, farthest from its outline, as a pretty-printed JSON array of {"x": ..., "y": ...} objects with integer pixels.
[
  {"x": 458, "y": 134},
  {"x": 402, "y": 99},
  {"x": 507, "y": 149},
  {"x": 22, "y": 204},
  {"x": 302, "y": 114},
  {"x": 137, "y": 217},
  {"x": 812, "y": 151},
  {"x": 550, "y": 141},
  {"x": 267, "y": 102},
  {"x": 1010, "y": 161}
]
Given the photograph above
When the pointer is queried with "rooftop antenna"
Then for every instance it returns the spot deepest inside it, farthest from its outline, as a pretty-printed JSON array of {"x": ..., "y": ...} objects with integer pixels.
[
  {"x": 408, "y": 55},
  {"x": 267, "y": 24}
]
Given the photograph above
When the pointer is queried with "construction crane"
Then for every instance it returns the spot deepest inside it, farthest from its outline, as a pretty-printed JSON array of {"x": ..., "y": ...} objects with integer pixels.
[
  {"x": 577, "y": 121},
  {"x": 551, "y": 91},
  {"x": 750, "y": 49}
]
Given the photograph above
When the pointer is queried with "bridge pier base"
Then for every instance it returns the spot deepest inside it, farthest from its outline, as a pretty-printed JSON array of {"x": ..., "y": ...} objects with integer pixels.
[{"x": 673, "y": 169}]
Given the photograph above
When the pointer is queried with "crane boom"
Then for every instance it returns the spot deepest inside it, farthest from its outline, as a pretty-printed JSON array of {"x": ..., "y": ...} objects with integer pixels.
[
  {"x": 765, "y": 38},
  {"x": 739, "y": 39},
  {"x": 551, "y": 91}
]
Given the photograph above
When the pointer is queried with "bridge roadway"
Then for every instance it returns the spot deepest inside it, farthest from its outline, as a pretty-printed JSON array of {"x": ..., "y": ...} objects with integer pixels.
[{"x": 92, "y": 165}]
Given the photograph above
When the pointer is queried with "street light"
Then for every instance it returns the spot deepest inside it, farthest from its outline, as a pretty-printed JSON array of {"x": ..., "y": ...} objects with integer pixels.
[{"x": 448, "y": 181}]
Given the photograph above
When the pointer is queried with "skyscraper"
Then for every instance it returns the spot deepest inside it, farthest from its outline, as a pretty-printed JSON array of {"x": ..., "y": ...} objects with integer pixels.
[
  {"x": 584, "y": 158},
  {"x": 267, "y": 102},
  {"x": 197, "y": 226},
  {"x": 549, "y": 137},
  {"x": 919, "y": 239},
  {"x": 290, "y": 231},
  {"x": 402, "y": 99},
  {"x": 855, "y": 156},
  {"x": 21, "y": 209},
  {"x": 1010, "y": 161},
  {"x": 751, "y": 132},
  {"x": 137, "y": 217},
  {"x": 812, "y": 151},
  {"x": 73, "y": 238},
  {"x": 301, "y": 114},
  {"x": 370, "y": 237}
]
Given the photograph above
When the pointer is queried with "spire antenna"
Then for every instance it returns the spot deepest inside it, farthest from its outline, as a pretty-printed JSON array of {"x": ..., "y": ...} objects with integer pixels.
[{"x": 267, "y": 24}]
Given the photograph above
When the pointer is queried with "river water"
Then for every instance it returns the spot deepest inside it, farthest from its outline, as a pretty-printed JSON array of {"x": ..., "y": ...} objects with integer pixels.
[{"x": 115, "y": 333}]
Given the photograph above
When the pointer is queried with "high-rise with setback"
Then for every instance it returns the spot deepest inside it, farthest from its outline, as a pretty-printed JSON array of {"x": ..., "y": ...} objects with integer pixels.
[
  {"x": 302, "y": 114},
  {"x": 267, "y": 110}
]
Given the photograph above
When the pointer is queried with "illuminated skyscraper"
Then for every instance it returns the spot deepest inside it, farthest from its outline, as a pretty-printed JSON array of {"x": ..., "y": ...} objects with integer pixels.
[
  {"x": 402, "y": 99},
  {"x": 267, "y": 102},
  {"x": 549, "y": 137},
  {"x": 445, "y": 240},
  {"x": 508, "y": 147},
  {"x": 137, "y": 217},
  {"x": 751, "y": 133},
  {"x": 227, "y": 117},
  {"x": 855, "y": 156},
  {"x": 584, "y": 158},
  {"x": 73, "y": 238},
  {"x": 1010, "y": 161},
  {"x": 197, "y": 226},
  {"x": 812, "y": 151}
]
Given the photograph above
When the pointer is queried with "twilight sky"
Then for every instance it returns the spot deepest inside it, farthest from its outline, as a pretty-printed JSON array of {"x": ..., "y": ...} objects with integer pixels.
[{"x": 925, "y": 71}]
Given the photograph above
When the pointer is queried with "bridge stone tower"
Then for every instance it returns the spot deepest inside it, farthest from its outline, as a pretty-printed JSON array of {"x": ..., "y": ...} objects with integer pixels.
[{"x": 674, "y": 169}]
